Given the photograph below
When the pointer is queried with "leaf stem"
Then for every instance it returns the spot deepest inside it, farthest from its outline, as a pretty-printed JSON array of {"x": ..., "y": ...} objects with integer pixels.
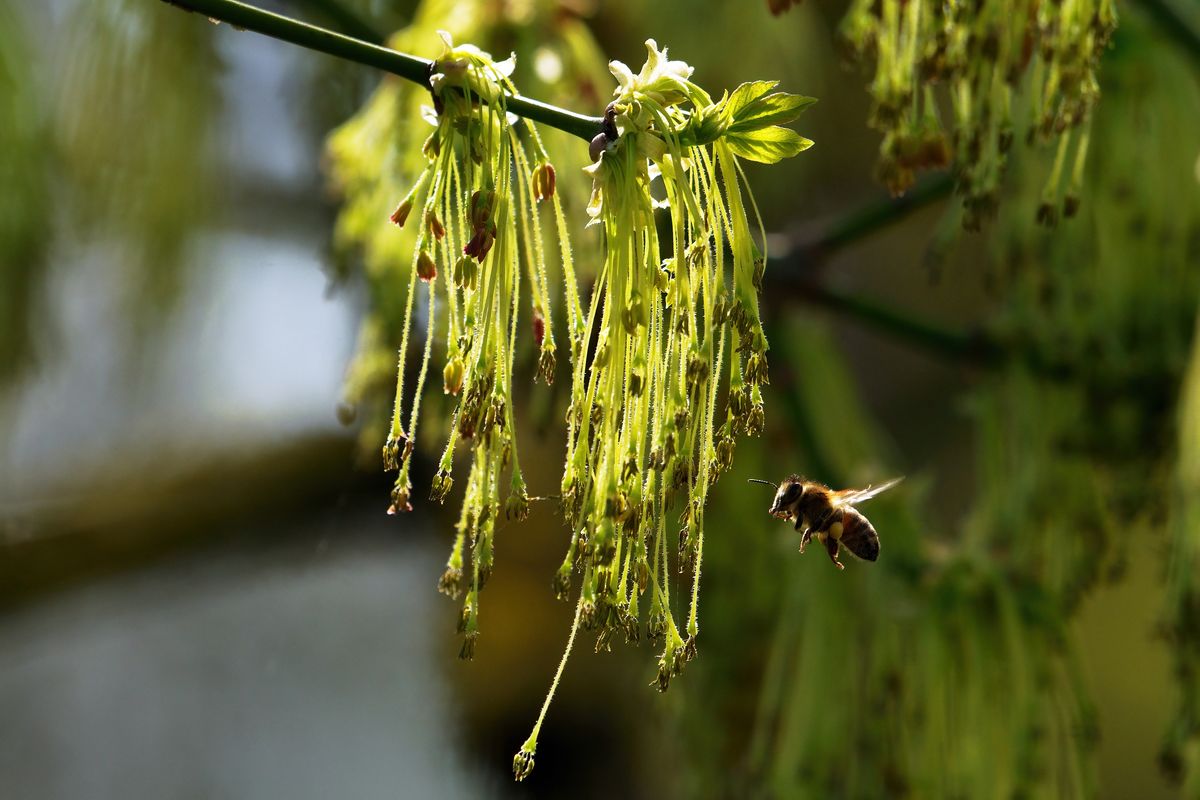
[{"x": 411, "y": 68}]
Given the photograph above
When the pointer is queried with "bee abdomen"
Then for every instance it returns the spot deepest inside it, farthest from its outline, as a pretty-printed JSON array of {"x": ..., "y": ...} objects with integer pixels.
[{"x": 859, "y": 536}]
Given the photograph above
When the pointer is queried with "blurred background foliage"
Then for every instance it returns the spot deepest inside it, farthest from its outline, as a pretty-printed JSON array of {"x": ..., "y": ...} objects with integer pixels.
[{"x": 1033, "y": 625}]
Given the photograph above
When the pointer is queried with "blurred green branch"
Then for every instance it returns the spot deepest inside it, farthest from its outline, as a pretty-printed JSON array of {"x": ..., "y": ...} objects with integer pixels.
[
  {"x": 344, "y": 19},
  {"x": 795, "y": 273},
  {"x": 952, "y": 344},
  {"x": 402, "y": 65},
  {"x": 1174, "y": 26},
  {"x": 807, "y": 251},
  {"x": 796, "y": 276}
]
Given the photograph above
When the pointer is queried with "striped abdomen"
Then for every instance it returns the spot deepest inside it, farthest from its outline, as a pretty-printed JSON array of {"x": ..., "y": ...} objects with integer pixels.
[{"x": 859, "y": 536}]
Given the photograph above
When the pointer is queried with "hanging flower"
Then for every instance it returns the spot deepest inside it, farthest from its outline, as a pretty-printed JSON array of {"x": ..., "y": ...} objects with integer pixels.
[{"x": 670, "y": 318}]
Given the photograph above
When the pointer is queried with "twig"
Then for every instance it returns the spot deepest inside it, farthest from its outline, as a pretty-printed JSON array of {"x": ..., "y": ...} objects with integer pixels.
[{"x": 402, "y": 65}]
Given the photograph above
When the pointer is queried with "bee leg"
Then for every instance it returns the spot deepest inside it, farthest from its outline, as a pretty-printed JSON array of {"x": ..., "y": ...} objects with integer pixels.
[
  {"x": 831, "y": 547},
  {"x": 807, "y": 532}
]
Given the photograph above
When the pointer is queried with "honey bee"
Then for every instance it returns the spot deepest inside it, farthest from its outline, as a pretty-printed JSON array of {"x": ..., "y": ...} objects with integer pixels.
[{"x": 829, "y": 515}]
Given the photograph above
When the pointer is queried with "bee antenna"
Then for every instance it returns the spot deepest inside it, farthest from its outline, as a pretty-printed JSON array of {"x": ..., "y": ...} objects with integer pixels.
[{"x": 764, "y": 483}]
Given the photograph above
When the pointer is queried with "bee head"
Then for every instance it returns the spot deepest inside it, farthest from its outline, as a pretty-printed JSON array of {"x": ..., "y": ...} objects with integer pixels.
[{"x": 785, "y": 498}]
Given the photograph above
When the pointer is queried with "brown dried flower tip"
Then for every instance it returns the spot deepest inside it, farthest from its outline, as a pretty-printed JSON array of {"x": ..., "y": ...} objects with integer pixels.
[
  {"x": 450, "y": 584},
  {"x": 481, "y": 242},
  {"x": 517, "y": 506},
  {"x": 400, "y": 215},
  {"x": 467, "y": 653},
  {"x": 436, "y": 228},
  {"x": 440, "y": 487},
  {"x": 539, "y": 325},
  {"x": 426, "y": 269},
  {"x": 400, "y": 495}
]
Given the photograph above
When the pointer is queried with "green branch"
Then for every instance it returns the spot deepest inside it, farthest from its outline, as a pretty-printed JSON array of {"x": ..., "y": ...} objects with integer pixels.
[
  {"x": 343, "y": 18},
  {"x": 794, "y": 274},
  {"x": 805, "y": 252},
  {"x": 1174, "y": 26},
  {"x": 952, "y": 344},
  {"x": 402, "y": 65}
]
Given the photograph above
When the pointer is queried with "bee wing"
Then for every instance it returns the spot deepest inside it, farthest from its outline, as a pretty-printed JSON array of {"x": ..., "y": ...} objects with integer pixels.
[{"x": 850, "y": 497}]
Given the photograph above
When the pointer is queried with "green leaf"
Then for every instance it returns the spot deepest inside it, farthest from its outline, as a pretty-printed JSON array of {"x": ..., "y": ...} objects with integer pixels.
[
  {"x": 745, "y": 95},
  {"x": 773, "y": 109},
  {"x": 767, "y": 145}
]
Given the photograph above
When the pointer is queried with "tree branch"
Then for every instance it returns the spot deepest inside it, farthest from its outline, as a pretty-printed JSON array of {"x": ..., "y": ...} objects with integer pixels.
[
  {"x": 954, "y": 345},
  {"x": 1174, "y": 26},
  {"x": 402, "y": 65},
  {"x": 792, "y": 275},
  {"x": 343, "y": 18},
  {"x": 808, "y": 249}
]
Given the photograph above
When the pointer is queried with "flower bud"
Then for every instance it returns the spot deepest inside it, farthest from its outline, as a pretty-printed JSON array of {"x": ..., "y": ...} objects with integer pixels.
[
  {"x": 1047, "y": 214},
  {"x": 517, "y": 506},
  {"x": 466, "y": 270},
  {"x": 436, "y": 228},
  {"x": 539, "y": 326},
  {"x": 426, "y": 269},
  {"x": 756, "y": 369},
  {"x": 440, "y": 487},
  {"x": 755, "y": 420},
  {"x": 452, "y": 376},
  {"x": 400, "y": 494},
  {"x": 450, "y": 584},
  {"x": 400, "y": 215},
  {"x": 1070, "y": 205},
  {"x": 523, "y": 763},
  {"x": 481, "y": 243},
  {"x": 543, "y": 182},
  {"x": 432, "y": 147},
  {"x": 665, "y": 671},
  {"x": 479, "y": 210},
  {"x": 597, "y": 147},
  {"x": 391, "y": 452}
]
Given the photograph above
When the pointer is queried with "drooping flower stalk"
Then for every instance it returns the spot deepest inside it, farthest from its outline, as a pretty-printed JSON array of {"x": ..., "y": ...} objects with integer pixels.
[
  {"x": 476, "y": 205},
  {"x": 667, "y": 354},
  {"x": 992, "y": 57},
  {"x": 666, "y": 319}
]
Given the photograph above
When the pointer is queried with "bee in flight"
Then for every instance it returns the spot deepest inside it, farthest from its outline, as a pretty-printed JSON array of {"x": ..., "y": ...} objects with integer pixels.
[{"x": 829, "y": 515}]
